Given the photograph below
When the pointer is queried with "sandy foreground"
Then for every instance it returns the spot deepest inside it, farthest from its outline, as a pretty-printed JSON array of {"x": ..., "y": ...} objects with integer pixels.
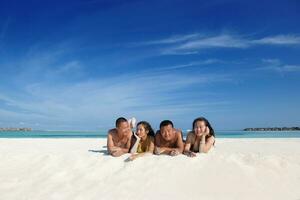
[{"x": 80, "y": 169}]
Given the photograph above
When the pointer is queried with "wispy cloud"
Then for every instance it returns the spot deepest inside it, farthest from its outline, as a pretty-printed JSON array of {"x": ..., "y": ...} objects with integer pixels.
[
  {"x": 93, "y": 101},
  {"x": 279, "y": 40},
  {"x": 192, "y": 64},
  {"x": 277, "y": 66},
  {"x": 172, "y": 39},
  {"x": 193, "y": 43},
  {"x": 220, "y": 41}
]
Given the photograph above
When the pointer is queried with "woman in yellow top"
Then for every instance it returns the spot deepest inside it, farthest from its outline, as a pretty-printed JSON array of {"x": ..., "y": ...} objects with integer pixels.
[{"x": 143, "y": 140}]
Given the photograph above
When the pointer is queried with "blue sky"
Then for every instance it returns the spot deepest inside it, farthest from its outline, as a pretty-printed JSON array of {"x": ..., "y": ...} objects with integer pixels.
[{"x": 78, "y": 65}]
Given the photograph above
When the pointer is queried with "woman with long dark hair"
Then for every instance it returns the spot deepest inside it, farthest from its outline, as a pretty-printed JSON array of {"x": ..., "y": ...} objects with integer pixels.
[
  {"x": 143, "y": 140},
  {"x": 200, "y": 139}
]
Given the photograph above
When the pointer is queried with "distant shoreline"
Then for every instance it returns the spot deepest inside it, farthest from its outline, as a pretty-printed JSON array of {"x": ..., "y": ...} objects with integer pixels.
[
  {"x": 273, "y": 129},
  {"x": 15, "y": 129}
]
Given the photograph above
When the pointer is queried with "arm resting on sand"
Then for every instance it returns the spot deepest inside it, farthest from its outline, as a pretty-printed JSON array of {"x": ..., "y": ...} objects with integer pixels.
[{"x": 205, "y": 146}]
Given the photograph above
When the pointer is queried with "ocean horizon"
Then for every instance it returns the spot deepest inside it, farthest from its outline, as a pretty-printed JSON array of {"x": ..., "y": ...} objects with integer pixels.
[{"x": 103, "y": 134}]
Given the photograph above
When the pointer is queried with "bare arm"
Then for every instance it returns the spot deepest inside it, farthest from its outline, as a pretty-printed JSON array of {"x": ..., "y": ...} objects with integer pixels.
[
  {"x": 158, "y": 149},
  {"x": 110, "y": 143},
  {"x": 205, "y": 146},
  {"x": 161, "y": 150},
  {"x": 169, "y": 150},
  {"x": 127, "y": 146},
  {"x": 180, "y": 145},
  {"x": 150, "y": 151},
  {"x": 188, "y": 145},
  {"x": 115, "y": 150}
]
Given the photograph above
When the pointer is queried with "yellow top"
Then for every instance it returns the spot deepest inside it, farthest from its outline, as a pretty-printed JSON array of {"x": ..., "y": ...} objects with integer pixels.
[{"x": 145, "y": 145}]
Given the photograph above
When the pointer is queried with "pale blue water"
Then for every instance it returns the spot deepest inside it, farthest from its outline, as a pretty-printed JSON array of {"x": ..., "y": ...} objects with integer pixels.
[{"x": 103, "y": 134}]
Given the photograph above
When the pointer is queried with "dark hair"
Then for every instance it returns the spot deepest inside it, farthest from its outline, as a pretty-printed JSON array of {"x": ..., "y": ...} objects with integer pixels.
[
  {"x": 120, "y": 120},
  {"x": 165, "y": 123},
  {"x": 147, "y": 127},
  {"x": 211, "y": 130}
]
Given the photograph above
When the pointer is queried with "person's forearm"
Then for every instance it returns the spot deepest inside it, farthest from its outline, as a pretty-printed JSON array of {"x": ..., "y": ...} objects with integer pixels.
[
  {"x": 186, "y": 152},
  {"x": 180, "y": 149},
  {"x": 165, "y": 150},
  {"x": 202, "y": 147},
  {"x": 117, "y": 151},
  {"x": 124, "y": 150}
]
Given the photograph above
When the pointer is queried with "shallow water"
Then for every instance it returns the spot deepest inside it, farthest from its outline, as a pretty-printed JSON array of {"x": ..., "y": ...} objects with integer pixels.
[{"x": 99, "y": 134}]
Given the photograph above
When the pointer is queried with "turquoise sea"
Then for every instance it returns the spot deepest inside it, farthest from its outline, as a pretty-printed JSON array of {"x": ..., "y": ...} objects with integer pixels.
[{"x": 102, "y": 134}]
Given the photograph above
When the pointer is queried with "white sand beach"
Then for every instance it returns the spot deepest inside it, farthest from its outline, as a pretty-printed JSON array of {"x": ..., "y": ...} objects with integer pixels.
[{"x": 73, "y": 169}]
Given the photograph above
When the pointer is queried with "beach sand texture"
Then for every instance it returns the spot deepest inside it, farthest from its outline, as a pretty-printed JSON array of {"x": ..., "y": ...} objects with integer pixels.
[{"x": 36, "y": 169}]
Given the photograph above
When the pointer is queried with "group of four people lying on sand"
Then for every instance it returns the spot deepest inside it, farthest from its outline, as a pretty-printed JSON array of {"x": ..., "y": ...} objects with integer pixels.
[{"x": 167, "y": 140}]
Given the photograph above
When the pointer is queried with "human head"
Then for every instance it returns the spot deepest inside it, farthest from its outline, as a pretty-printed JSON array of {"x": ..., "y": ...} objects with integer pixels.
[
  {"x": 167, "y": 130},
  {"x": 201, "y": 124},
  {"x": 166, "y": 123},
  {"x": 144, "y": 128},
  {"x": 122, "y": 125}
]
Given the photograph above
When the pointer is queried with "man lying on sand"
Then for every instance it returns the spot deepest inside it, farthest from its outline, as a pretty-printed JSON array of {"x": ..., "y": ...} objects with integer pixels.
[
  {"x": 168, "y": 140},
  {"x": 118, "y": 139}
]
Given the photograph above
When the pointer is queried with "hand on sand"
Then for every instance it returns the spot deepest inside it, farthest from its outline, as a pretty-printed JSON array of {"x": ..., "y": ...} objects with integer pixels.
[
  {"x": 116, "y": 151},
  {"x": 158, "y": 150},
  {"x": 133, "y": 156},
  {"x": 174, "y": 153},
  {"x": 190, "y": 154}
]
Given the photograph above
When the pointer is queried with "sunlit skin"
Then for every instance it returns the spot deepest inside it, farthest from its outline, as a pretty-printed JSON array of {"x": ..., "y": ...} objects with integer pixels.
[
  {"x": 197, "y": 139},
  {"x": 118, "y": 139},
  {"x": 142, "y": 133},
  {"x": 123, "y": 129},
  {"x": 201, "y": 129},
  {"x": 167, "y": 132},
  {"x": 168, "y": 141}
]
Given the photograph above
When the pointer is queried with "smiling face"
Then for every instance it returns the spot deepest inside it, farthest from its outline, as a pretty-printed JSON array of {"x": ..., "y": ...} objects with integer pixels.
[
  {"x": 141, "y": 131},
  {"x": 199, "y": 128},
  {"x": 167, "y": 132},
  {"x": 123, "y": 128}
]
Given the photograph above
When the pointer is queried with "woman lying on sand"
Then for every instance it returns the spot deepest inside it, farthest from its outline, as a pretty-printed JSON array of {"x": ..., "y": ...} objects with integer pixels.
[
  {"x": 201, "y": 139},
  {"x": 143, "y": 140}
]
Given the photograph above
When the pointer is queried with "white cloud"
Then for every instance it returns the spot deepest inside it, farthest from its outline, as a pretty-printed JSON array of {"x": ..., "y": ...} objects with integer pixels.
[
  {"x": 192, "y": 43},
  {"x": 220, "y": 41},
  {"x": 279, "y": 40},
  {"x": 192, "y": 64},
  {"x": 103, "y": 100},
  {"x": 271, "y": 61},
  {"x": 277, "y": 66},
  {"x": 171, "y": 40}
]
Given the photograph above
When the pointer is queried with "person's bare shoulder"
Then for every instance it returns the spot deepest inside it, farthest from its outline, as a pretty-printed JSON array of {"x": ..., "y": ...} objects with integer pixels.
[
  {"x": 151, "y": 138},
  {"x": 190, "y": 134},
  {"x": 178, "y": 133},
  {"x": 112, "y": 132},
  {"x": 157, "y": 138},
  {"x": 157, "y": 135}
]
